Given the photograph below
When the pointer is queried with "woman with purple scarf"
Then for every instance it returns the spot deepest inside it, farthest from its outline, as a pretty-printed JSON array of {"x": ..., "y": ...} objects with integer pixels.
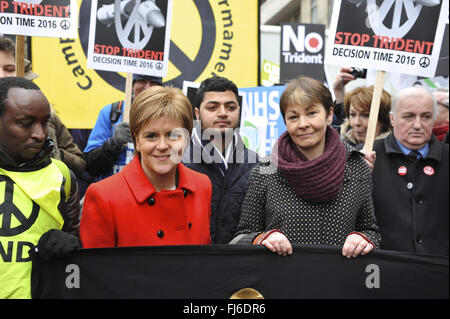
[{"x": 312, "y": 188}]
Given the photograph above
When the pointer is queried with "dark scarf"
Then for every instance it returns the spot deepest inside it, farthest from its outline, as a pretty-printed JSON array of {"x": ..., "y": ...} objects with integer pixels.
[{"x": 318, "y": 180}]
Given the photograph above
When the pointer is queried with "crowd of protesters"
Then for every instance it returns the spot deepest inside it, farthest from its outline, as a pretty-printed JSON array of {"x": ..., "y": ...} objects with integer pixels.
[{"x": 161, "y": 179}]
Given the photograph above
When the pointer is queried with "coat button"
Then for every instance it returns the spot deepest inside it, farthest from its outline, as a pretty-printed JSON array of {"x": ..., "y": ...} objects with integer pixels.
[
  {"x": 151, "y": 201},
  {"x": 409, "y": 185},
  {"x": 419, "y": 240},
  {"x": 160, "y": 233},
  {"x": 190, "y": 225},
  {"x": 185, "y": 193}
]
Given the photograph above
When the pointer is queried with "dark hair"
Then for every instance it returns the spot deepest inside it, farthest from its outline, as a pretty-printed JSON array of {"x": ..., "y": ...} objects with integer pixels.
[
  {"x": 7, "y": 46},
  {"x": 13, "y": 82},
  {"x": 305, "y": 91},
  {"x": 214, "y": 84},
  {"x": 361, "y": 99}
]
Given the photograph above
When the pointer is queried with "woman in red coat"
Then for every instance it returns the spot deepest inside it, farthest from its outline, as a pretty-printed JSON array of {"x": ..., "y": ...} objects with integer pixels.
[{"x": 154, "y": 200}]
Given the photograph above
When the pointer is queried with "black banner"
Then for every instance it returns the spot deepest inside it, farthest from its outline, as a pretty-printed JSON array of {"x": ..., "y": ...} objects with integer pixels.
[{"x": 219, "y": 271}]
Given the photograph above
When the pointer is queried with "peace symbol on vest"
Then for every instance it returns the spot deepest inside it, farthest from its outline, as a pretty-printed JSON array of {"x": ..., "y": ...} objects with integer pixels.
[{"x": 9, "y": 209}]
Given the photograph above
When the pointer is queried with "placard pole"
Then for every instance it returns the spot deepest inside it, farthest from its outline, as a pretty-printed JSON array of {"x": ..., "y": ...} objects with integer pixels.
[
  {"x": 374, "y": 109},
  {"x": 128, "y": 93},
  {"x": 20, "y": 55}
]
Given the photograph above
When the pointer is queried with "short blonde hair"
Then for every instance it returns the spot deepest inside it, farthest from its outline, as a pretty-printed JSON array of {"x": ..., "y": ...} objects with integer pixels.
[{"x": 156, "y": 102}]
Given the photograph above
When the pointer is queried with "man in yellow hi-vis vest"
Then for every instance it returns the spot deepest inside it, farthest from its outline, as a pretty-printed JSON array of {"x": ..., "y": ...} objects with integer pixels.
[{"x": 39, "y": 204}]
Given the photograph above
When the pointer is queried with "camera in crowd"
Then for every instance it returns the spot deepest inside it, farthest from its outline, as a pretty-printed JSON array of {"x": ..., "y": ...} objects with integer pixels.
[{"x": 359, "y": 73}]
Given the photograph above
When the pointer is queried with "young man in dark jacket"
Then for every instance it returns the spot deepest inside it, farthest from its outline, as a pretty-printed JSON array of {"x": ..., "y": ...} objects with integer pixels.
[
  {"x": 217, "y": 150},
  {"x": 411, "y": 178}
]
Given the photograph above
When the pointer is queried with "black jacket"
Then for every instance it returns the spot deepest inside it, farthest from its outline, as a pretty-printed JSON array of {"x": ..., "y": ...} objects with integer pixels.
[
  {"x": 228, "y": 191},
  {"x": 411, "y": 197}
]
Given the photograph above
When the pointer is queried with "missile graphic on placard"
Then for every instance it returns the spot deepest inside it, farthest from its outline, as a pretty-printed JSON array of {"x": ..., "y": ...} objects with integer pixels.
[
  {"x": 152, "y": 14},
  {"x": 356, "y": 2},
  {"x": 428, "y": 3},
  {"x": 147, "y": 10}
]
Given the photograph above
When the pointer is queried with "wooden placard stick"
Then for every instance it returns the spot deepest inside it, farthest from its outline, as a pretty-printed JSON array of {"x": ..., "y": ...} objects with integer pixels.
[
  {"x": 374, "y": 109},
  {"x": 128, "y": 93},
  {"x": 20, "y": 55}
]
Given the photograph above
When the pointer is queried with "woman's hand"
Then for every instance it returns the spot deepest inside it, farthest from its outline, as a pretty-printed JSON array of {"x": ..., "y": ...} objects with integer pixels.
[
  {"x": 342, "y": 78},
  {"x": 369, "y": 158},
  {"x": 355, "y": 244},
  {"x": 277, "y": 242}
]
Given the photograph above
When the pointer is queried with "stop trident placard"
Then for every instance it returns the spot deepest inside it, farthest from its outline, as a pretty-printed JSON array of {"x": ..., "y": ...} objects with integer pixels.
[
  {"x": 402, "y": 36},
  {"x": 41, "y": 18},
  {"x": 130, "y": 36}
]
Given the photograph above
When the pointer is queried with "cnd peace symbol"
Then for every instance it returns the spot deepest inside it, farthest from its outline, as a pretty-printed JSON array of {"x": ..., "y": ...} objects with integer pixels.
[
  {"x": 8, "y": 210},
  {"x": 424, "y": 62},
  {"x": 189, "y": 69},
  {"x": 397, "y": 27},
  {"x": 135, "y": 22},
  {"x": 65, "y": 24}
]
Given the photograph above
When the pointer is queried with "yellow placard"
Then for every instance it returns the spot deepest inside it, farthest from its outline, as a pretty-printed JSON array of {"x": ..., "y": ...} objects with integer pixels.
[{"x": 207, "y": 37}]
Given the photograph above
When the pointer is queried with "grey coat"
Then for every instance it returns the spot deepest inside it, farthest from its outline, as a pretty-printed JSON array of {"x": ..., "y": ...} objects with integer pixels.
[{"x": 271, "y": 203}]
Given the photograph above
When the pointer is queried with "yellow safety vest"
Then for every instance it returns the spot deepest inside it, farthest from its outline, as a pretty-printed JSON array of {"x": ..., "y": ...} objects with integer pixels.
[{"x": 28, "y": 208}]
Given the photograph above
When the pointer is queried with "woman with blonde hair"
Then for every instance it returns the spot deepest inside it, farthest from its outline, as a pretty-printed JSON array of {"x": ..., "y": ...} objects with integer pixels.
[{"x": 155, "y": 199}]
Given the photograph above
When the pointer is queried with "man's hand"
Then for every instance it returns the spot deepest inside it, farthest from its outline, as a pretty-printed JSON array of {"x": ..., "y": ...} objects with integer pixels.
[{"x": 57, "y": 244}]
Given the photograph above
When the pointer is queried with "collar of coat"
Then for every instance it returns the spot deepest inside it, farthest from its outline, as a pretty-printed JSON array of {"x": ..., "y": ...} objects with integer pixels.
[
  {"x": 141, "y": 186},
  {"x": 435, "y": 151},
  {"x": 347, "y": 135}
]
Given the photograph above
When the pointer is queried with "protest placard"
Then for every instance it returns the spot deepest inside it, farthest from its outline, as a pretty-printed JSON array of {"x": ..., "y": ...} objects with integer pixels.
[
  {"x": 379, "y": 36},
  {"x": 130, "y": 36},
  {"x": 41, "y": 18},
  {"x": 400, "y": 36},
  {"x": 203, "y": 41},
  {"x": 302, "y": 51},
  {"x": 261, "y": 119}
]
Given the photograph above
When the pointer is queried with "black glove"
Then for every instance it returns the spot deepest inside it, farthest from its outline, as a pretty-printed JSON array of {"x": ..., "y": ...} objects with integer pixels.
[
  {"x": 122, "y": 134},
  {"x": 57, "y": 244}
]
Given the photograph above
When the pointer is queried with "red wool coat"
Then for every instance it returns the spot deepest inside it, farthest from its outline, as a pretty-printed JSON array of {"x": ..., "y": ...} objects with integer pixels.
[{"x": 125, "y": 210}]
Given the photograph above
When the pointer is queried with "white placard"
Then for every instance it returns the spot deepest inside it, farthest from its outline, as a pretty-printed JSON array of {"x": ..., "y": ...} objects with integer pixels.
[
  {"x": 401, "y": 36},
  {"x": 40, "y": 18},
  {"x": 130, "y": 36}
]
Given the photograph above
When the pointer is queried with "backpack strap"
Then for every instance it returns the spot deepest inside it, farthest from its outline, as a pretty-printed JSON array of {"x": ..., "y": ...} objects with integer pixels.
[{"x": 116, "y": 111}]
